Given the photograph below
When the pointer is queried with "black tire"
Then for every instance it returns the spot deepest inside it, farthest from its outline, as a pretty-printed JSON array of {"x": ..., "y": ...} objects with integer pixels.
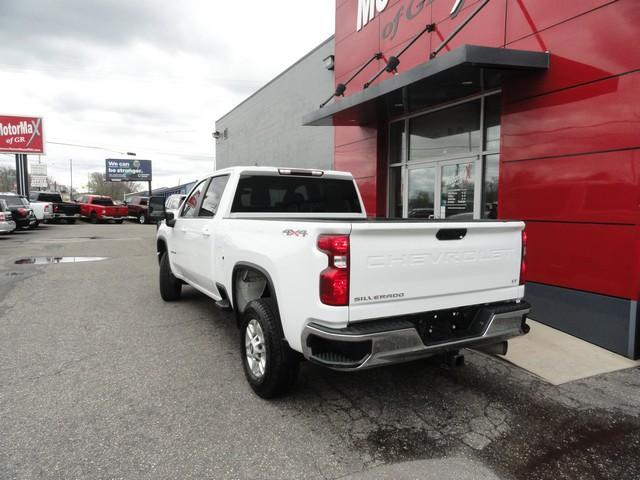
[
  {"x": 71, "y": 221},
  {"x": 34, "y": 226},
  {"x": 93, "y": 218},
  {"x": 170, "y": 286},
  {"x": 142, "y": 219},
  {"x": 119, "y": 222},
  {"x": 282, "y": 364}
]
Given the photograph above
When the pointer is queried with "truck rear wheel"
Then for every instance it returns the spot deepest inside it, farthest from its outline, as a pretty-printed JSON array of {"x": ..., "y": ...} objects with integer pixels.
[
  {"x": 270, "y": 366},
  {"x": 142, "y": 219},
  {"x": 170, "y": 286},
  {"x": 93, "y": 218}
]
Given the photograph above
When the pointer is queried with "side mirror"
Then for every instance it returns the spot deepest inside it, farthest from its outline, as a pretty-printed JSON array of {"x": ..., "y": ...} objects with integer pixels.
[{"x": 170, "y": 219}]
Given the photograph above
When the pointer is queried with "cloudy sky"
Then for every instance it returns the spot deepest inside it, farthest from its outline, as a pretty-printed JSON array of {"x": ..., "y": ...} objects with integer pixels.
[{"x": 144, "y": 76}]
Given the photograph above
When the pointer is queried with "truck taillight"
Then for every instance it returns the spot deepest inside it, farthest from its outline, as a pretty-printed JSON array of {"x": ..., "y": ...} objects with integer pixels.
[
  {"x": 3, "y": 217},
  {"x": 523, "y": 261},
  {"x": 334, "y": 280}
]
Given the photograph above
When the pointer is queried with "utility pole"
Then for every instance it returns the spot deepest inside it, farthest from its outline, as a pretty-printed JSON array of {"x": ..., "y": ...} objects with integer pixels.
[
  {"x": 22, "y": 175},
  {"x": 71, "y": 186}
]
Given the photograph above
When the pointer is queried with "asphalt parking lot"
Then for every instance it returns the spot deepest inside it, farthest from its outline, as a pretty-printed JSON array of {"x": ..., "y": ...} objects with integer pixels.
[{"x": 99, "y": 379}]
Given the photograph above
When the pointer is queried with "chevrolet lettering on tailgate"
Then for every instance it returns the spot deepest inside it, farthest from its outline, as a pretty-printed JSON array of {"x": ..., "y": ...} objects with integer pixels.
[{"x": 439, "y": 258}]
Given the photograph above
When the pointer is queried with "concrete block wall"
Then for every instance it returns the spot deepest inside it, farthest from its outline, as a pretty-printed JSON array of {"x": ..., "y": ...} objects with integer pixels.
[{"x": 266, "y": 129}]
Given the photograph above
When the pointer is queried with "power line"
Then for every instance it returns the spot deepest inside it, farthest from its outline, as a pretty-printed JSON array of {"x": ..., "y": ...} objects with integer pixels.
[
  {"x": 86, "y": 146},
  {"x": 95, "y": 147}
]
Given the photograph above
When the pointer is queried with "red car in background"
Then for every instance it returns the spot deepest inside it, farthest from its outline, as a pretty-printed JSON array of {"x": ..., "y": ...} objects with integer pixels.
[{"x": 100, "y": 208}]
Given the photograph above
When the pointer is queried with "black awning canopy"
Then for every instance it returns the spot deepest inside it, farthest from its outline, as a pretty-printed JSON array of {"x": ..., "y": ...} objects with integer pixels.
[{"x": 461, "y": 72}]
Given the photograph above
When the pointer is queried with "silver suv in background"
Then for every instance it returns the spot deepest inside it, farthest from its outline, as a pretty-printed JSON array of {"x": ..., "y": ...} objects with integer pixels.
[{"x": 7, "y": 225}]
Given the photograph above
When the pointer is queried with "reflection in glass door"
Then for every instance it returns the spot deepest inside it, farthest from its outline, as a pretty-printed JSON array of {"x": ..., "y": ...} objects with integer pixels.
[
  {"x": 421, "y": 193},
  {"x": 457, "y": 190}
]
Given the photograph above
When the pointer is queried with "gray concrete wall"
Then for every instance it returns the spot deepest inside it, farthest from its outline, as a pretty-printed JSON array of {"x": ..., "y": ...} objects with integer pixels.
[{"x": 266, "y": 129}]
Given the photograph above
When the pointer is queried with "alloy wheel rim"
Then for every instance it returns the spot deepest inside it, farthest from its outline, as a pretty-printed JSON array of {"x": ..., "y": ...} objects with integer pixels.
[{"x": 255, "y": 349}]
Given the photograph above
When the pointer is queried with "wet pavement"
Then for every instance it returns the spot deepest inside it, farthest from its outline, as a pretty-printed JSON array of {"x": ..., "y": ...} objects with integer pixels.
[
  {"x": 53, "y": 260},
  {"x": 101, "y": 379}
]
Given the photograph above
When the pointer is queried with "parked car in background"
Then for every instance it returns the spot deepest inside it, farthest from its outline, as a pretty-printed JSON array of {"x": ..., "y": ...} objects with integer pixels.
[
  {"x": 20, "y": 210},
  {"x": 100, "y": 208},
  {"x": 68, "y": 211},
  {"x": 7, "y": 225},
  {"x": 173, "y": 203},
  {"x": 146, "y": 209},
  {"x": 42, "y": 210},
  {"x": 293, "y": 253}
]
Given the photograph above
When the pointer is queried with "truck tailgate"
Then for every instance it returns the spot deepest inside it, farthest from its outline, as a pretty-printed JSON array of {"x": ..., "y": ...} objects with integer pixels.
[{"x": 402, "y": 268}]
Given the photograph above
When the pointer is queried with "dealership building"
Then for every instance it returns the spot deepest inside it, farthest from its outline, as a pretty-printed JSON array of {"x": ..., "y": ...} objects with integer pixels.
[{"x": 508, "y": 109}]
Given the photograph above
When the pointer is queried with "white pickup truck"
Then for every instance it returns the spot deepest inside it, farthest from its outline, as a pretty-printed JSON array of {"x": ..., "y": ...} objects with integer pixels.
[
  {"x": 42, "y": 210},
  {"x": 308, "y": 275}
]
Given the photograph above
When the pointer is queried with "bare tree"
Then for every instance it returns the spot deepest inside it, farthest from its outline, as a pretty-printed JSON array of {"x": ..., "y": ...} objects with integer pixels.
[
  {"x": 117, "y": 190},
  {"x": 7, "y": 179}
]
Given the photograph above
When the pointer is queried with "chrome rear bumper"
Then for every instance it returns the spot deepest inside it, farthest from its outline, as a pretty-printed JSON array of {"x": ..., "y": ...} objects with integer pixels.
[{"x": 399, "y": 341}]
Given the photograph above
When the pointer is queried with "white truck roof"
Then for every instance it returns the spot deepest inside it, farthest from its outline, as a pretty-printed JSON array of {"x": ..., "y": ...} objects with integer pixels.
[{"x": 285, "y": 171}]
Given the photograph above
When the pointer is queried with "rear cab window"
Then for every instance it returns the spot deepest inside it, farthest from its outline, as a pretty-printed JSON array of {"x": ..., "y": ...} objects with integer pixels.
[
  {"x": 295, "y": 194},
  {"x": 102, "y": 201},
  {"x": 48, "y": 197}
]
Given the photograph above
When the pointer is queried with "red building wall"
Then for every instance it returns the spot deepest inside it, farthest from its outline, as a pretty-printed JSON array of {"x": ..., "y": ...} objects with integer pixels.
[{"x": 570, "y": 145}]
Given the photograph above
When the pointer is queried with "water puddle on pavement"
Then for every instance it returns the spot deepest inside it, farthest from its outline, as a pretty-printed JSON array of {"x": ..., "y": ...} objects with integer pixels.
[{"x": 51, "y": 260}]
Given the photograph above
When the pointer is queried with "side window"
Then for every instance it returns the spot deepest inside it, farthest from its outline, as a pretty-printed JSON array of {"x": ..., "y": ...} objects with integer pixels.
[
  {"x": 212, "y": 198},
  {"x": 190, "y": 204}
]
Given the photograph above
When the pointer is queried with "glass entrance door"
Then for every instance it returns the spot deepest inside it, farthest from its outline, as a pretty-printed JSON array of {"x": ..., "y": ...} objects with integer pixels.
[
  {"x": 422, "y": 192},
  {"x": 457, "y": 190}
]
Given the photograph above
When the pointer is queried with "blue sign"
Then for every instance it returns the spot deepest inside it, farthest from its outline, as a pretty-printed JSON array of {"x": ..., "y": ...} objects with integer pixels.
[{"x": 127, "y": 170}]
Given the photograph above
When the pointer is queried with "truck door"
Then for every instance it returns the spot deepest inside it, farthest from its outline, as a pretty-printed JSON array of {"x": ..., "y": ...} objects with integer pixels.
[
  {"x": 182, "y": 236},
  {"x": 199, "y": 237}
]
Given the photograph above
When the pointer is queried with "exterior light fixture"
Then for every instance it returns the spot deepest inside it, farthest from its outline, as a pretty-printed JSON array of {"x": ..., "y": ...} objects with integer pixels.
[
  {"x": 216, "y": 134},
  {"x": 329, "y": 62}
]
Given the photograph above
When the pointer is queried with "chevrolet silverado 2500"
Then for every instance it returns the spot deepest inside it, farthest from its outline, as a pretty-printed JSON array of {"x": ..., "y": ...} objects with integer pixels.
[{"x": 308, "y": 275}]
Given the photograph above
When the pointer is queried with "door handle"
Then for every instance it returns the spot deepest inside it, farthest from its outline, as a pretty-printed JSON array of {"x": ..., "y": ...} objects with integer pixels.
[{"x": 206, "y": 232}]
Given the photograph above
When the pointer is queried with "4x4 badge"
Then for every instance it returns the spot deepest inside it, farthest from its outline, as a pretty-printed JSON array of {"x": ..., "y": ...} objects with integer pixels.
[{"x": 294, "y": 233}]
